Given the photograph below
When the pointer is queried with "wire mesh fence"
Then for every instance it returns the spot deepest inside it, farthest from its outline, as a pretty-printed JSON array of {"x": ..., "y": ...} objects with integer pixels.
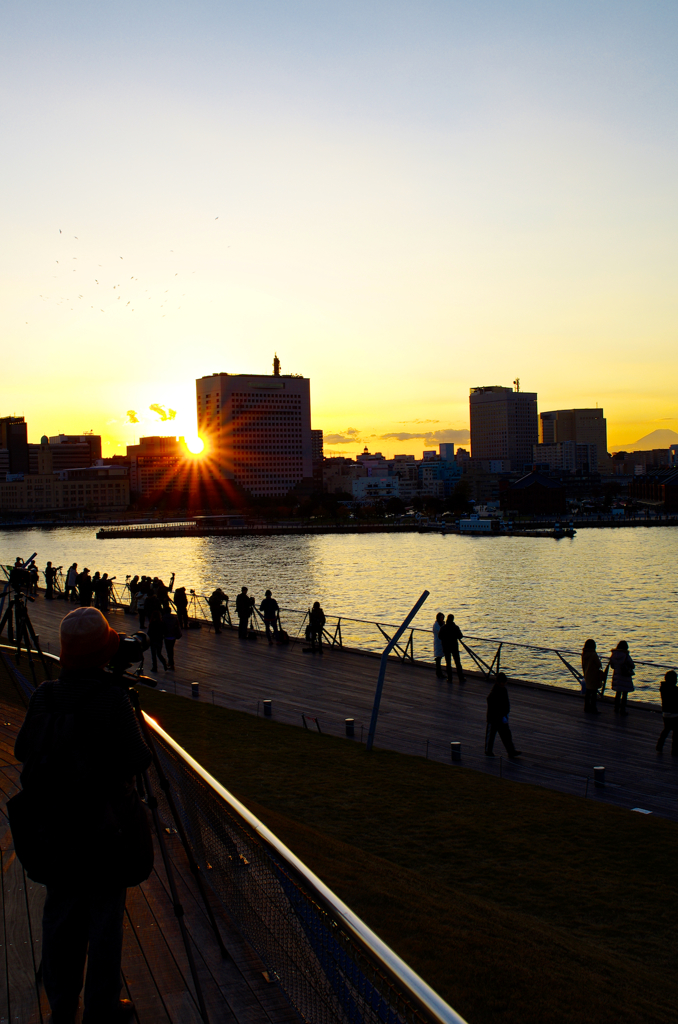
[{"x": 330, "y": 966}]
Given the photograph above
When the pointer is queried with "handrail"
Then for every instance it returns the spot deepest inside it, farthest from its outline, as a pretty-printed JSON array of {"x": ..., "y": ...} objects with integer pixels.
[{"x": 434, "y": 1007}]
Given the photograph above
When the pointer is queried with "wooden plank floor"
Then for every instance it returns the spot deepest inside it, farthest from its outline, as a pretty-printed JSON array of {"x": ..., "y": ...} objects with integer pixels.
[
  {"x": 155, "y": 966},
  {"x": 419, "y": 713}
]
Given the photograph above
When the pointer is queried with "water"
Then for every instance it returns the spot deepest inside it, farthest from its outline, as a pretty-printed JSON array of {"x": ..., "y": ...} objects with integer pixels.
[{"x": 605, "y": 583}]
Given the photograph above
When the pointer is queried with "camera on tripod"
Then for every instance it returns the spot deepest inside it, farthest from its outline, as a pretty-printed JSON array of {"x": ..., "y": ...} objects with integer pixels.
[{"x": 19, "y": 579}]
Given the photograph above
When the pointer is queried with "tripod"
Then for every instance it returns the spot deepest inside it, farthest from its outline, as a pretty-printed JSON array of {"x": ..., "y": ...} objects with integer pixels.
[
  {"x": 152, "y": 802},
  {"x": 20, "y": 630}
]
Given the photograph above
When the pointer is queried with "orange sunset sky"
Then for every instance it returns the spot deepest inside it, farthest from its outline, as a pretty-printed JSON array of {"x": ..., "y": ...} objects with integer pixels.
[{"x": 402, "y": 200}]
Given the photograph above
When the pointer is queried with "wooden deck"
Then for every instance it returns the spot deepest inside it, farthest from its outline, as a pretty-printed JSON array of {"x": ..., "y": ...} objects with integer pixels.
[
  {"x": 421, "y": 714},
  {"x": 155, "y": 969}
]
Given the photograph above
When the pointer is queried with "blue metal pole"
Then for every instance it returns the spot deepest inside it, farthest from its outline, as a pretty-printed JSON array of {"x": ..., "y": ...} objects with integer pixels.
[{"x": 382, "y": 667}]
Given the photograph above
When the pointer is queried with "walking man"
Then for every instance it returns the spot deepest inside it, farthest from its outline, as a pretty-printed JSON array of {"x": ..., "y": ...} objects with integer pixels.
[
  {"x": 243, "y": 607},
  {"x": 498, "y": 708},
  {"x": 270, "y": 609}
]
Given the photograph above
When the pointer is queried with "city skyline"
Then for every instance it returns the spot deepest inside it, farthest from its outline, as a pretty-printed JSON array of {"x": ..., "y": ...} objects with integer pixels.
[{"x": 404, "y": 203}]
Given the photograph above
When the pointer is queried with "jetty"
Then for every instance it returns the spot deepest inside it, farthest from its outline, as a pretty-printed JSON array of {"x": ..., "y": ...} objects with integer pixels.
[{"x": 420, "y": 714}]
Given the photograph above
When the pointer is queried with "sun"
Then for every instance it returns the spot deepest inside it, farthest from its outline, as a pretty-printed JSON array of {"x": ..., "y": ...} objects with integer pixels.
[{"x": 195, "y": 445}]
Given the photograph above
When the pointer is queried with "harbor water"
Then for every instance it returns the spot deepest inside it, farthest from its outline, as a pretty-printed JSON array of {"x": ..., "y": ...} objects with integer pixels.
[{"x": 609, "y": 584}]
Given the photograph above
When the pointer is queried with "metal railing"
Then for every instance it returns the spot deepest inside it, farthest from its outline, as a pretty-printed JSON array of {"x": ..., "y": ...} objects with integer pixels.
[
  {"x": 529, "y": 663},
  {"x": 330, "y": 965}
]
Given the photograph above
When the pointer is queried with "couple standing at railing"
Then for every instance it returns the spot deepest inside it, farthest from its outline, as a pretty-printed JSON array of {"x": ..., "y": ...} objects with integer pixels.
[{"x": 446, "y": 637}]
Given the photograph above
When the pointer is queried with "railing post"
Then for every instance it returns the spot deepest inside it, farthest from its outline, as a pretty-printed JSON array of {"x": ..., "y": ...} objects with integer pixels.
[{"x": 382, "y": 667}]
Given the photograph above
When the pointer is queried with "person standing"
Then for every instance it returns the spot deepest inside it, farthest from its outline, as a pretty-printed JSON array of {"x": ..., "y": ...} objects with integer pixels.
[
  {"x": 243, "y": 607},
  {"x": 449, "y": 636},
  {"x": 216, "y": 603},
  {"x": 85, "y": 588},
  {"x": 622, "y": 676},
  {"x": 669, "y": 692},
  {"x": 71, "y": 582},
  {"x": 270, "y": 610},
  {"x": 498, "y": 710},
  {"x": 105, "y": 588},
  {"x": 50, "y": 576},
  {"x": 96, "y": 589},
  {"x": 86, "y": 866},
  {"x": 592, "y": 668},
  {"x": 317, "y": 621},
  {"x": 141, "y": 607},
  {"x": 171, "y": 633},
  {"x": 181, "y": 604},
  {"x": 438, "y": 651},
  {"x": 156, "y": 635}
]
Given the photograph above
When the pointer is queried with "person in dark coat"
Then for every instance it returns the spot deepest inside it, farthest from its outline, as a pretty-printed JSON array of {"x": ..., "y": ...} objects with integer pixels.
[
  {"x": 71, "y": 582},
  {"x": 592, "y": 668},
  {"x": 181, "y": 603},
  {"x": 498, "y": 709},
  {"x": 243, "y": 607},
  {"x": 216, "y": 603},
  {"x": 84, "y": 908},
  {"x": 316, "y": 620},
  {"x": 622, "y": 675},
  {"x": 156, "y": 635},
  {"x": 669, "y": 692},
  {"x": 438, "y": 652},
  {"x": 171, "y": 633},
  {"x": 449, "y": 637},
  {"x": 50, "y": 576},
  {"x": 270, "y": 609},
  {"x": 85, "y": 588}
]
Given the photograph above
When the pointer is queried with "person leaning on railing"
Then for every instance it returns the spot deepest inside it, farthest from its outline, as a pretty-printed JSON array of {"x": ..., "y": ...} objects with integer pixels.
[
  {"x": 78, "y": 824},
  {"x": 592, "y": 668},
  {"x": 669, "y": 692},
  {"x": 623, "y": 671}
]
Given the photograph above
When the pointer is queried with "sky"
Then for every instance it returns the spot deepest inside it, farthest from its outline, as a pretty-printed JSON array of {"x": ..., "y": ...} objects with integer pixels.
[{"x": 403, "y": 200}]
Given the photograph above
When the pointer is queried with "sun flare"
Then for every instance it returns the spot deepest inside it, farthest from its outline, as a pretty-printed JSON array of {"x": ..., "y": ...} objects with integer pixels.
[{"x": 195, "y": 445}]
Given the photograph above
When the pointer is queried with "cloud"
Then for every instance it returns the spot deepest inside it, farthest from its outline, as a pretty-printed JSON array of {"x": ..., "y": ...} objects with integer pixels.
[
  {"x": 445, "y": 436},
  {"x": 164, "y": 415},
  {"x": 420, "y": 421},
  {"x": 132, "y": 416},
  {"x": 338, "y": 439}
]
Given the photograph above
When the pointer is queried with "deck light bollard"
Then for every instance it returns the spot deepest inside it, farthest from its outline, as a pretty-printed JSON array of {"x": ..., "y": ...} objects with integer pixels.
[
  {"x": 195, "y": 691},
  {"x": 599, "y": 775},
  {"x": 455, "y": 750},
  {"x": 267, "y": 708},
  {"x": 350, "y": 727}
]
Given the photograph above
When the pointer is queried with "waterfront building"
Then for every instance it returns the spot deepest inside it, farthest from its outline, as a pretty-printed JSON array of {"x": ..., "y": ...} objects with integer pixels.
[
  {"x": 93, "y": 489},
  {"x": 583, "y": 426},
  {"x": 156, "y": 466},
  {"x": 504, "y": 424},
  {"x": 533, "y": 494},
  {"x": 64, "y": 441},
  {"x": 376, "y": 488},
  {"x": 14, "y": 440},
  {"x": 339, "y": 474},
  {"x": 567, "y": 457},
  {"x": 257, "y": 429},
  {"x": 639, "y": 463}
]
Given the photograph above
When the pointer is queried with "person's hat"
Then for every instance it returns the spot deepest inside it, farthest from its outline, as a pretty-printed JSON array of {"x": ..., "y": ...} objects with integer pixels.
[{"x": 87, "y": 641}]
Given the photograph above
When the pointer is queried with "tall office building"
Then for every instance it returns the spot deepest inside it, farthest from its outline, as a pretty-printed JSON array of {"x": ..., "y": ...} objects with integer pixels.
[
  {"x": 14, "y": 439},
  {"x": 583, "y": 426},
  {"x": 258, "y": 429},
  {"x": 504, "y": 425}
]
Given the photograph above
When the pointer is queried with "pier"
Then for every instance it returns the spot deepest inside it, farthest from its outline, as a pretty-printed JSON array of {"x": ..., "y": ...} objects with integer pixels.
[{"x": 420, "y": 714}]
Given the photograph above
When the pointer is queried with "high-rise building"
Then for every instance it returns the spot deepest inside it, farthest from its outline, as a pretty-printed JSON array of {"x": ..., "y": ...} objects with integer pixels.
[
  {"x": 504, "y": 424},
  {"x": 155, "y": 466},
  {"x": 258, "y": 429},
  {"x": 14, "y": 438},
  {"x": 93, "y": 441},
  {"x": 583, "y": 426}
]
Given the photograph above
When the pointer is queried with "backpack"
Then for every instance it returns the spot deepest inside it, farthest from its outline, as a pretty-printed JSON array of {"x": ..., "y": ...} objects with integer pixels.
[{"x": 68, "y": 825}]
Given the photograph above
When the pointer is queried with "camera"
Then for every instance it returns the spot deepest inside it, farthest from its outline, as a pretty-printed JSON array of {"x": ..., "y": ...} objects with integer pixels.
[
  {"x": 191, "y": 591},
  {"x": 131, "y": 651},
  {"x": 19, "y": 579}
]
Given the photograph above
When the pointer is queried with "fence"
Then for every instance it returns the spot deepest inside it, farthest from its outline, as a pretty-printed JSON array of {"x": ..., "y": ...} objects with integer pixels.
[{"x": 488, "y": 655}]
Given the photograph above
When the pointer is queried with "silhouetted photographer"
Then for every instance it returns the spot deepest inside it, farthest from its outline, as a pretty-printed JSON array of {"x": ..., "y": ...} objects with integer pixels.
[{"x": 78, "y": 825}]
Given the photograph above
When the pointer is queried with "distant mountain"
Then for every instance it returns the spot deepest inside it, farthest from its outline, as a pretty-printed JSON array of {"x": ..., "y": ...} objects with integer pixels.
[{"x": 657, "y": 439}]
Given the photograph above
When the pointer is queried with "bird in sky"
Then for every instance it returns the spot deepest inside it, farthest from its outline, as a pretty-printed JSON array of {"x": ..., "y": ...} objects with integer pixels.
[{"x": 59, "y": 233}]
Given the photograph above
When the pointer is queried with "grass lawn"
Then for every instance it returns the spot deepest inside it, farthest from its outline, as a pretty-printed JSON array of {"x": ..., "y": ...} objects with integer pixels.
[{"x": 515, "y": 903}]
